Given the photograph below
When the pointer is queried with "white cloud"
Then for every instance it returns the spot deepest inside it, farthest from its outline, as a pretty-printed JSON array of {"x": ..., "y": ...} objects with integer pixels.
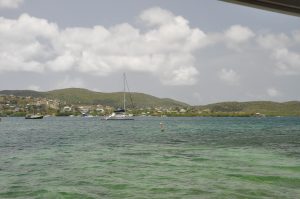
[
  {"x": 70, "y": 83},
  {"x": 157, "y": 16},
  {"x": 229, "y": 76},
  {"x": 34, "y": 87},
  {"x": 239, "y": 34},
  {"x": 62, "y": 62},
  {"x": 25, "y": 43},
  {"x": 185, "y": 74},
  {"x": 271, "y": 41},
  {"x": 287, "y": 62},
  {"x": 235, "y": 37},
  {"x": 272, "y": 92},
  {"x": 166, "y": 48},
  {"x": 10, "y": 4}
]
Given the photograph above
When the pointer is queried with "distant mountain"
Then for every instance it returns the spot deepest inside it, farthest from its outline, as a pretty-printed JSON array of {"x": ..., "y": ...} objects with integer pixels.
[
  {"x": 269, "y": 108},
  {"x": 22, "y": 93},
  {"x": 84, "y": 96}
]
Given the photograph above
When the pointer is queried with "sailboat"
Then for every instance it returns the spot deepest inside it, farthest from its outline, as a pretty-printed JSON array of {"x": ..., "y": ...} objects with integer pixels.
[
  {"x": 120, "y": 113},
  {"x": 34, "y": 116}
]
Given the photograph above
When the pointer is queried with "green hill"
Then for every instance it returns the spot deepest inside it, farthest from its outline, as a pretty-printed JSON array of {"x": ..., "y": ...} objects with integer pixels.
[
  {"x": 269, "y": 108},
  {"x": 87, "y": 97},
  {"x": 23, "y": 93},
  {"x": 78, "y": 96}
]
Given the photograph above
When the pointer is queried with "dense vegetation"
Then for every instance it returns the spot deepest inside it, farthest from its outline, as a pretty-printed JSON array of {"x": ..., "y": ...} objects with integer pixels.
[{"x": 268, "y": 108}]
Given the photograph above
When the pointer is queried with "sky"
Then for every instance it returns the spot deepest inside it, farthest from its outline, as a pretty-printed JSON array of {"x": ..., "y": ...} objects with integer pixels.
[{"x": 198, "y": 52}]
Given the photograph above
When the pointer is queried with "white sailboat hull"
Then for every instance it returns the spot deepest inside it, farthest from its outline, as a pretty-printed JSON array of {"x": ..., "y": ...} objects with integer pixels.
[{"x": 122, "y": 116}]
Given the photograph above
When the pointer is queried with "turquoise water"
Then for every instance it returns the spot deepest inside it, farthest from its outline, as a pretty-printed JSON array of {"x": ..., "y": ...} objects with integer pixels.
[{"x": 193, "y": 158}]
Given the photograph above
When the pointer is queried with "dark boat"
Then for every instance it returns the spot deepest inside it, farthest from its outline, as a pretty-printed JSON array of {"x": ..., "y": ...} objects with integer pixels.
[{"x": 34, "y": 117}]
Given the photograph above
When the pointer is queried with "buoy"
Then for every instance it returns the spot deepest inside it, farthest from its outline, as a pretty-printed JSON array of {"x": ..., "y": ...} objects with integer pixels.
[{"x": 162, "y": 127}]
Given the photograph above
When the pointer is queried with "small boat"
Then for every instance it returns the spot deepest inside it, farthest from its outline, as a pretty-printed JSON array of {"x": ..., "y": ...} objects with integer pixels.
[
  {"x": 34, "y": 116},
  {"x": 86, "y": 115},
  {"x": 120, "y": 114}
]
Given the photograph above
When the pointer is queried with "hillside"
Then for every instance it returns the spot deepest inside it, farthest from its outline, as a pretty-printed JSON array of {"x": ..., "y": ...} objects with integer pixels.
[
  {"x": 23, "y": 93},
  {"x": 78, "y": 96},
  {"x": 269, "y": 108},
  {"x": 87, "y": 97}
]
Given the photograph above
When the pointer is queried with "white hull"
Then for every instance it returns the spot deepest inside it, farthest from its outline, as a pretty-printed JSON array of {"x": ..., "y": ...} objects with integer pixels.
[
  {"x": 125, "y": 118},
  {"x": 119, "y": 117},
  {"x": 121, "y": 114},
  {"x": 34, "y": 117}
]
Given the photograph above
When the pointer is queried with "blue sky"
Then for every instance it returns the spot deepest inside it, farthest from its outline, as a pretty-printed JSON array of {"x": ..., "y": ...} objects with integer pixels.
[{"x": 198, "y": 52}]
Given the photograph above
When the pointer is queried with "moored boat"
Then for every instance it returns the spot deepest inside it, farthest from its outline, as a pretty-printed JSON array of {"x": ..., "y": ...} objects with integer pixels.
[
  {"x": 34, "y": 116},
  {"x": 121, "y": 114}
]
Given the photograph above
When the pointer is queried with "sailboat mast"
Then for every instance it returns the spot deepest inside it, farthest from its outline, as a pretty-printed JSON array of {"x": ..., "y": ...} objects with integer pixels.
[{"x": 124, "y": 97}]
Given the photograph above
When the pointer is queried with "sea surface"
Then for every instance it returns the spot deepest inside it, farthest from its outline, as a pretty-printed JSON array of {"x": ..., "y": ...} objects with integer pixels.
[{"x": 64, "y": 157}]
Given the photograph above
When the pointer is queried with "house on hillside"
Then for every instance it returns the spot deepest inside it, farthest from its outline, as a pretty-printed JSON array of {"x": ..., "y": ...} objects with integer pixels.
[
  {"x": 182, "y": 110},
  {"x": 67, "y": 109}
]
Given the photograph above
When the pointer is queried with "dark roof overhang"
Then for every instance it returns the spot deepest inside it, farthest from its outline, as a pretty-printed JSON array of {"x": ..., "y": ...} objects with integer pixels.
[{"x": 291, "y": 7}]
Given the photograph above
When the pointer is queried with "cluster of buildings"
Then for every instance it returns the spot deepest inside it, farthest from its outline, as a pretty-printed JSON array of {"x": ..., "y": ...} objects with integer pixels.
[
  {"x": 18, "y": 106},
  {"x": 11, "y": 105}
]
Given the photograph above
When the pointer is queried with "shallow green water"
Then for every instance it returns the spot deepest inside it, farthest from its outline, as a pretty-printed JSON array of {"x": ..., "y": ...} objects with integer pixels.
[{"x": 193, "y": 158}]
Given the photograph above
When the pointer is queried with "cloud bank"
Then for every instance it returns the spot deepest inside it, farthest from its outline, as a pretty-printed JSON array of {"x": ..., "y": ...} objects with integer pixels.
[
  {"x": 286, "y": 61},
  {"x": 164, "y": 49}
]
